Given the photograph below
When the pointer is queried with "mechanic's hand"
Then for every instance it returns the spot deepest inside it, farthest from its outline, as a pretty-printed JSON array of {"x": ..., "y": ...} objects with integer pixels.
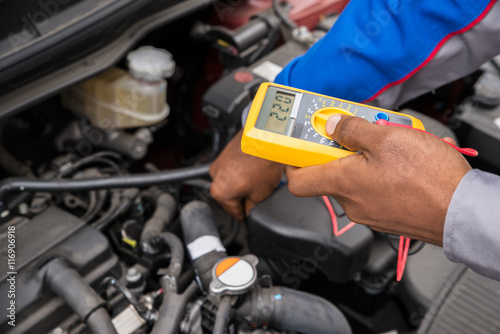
[
  {"x": 401, "y": 182},
  {"x": 240, "y": 181}
]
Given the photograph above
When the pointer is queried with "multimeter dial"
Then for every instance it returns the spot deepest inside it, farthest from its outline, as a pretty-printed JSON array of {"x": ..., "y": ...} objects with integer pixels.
[
  {"x": 319, "y": 118},
  {"x": 301, "y": 115},
  {"x": 287, "y": 125}
]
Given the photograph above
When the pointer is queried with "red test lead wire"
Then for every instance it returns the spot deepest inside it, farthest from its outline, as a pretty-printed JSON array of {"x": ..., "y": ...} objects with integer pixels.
[
  {"x": 404, "y": 243},
  {"x": 404, "y": 247},
  {"x": 333, "y": 216},
  {"x": 464, "y": 150}
]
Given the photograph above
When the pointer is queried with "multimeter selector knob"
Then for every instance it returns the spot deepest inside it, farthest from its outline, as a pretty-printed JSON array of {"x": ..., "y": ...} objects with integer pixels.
[{"x": 319, "y": 118}]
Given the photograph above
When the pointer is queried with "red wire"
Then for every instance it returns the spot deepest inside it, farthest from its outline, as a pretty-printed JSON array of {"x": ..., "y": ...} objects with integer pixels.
[
  {"x": 402, "y": 256},
  {"x": 399, "y": 273},
  {"x": 404, "y": 243},
  {"x": 333, "y": 216}
]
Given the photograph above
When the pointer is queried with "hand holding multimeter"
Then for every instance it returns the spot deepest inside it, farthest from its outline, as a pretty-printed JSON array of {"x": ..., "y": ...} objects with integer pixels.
[
  {"x": 401, "y": 184},
  {"x": 287, "y": 125}
]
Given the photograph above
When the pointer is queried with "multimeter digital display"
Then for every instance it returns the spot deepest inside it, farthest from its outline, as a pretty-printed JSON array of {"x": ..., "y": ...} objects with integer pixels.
[
  {"x": 280, "y": 112},
  {"x": 287, "y": 125}
]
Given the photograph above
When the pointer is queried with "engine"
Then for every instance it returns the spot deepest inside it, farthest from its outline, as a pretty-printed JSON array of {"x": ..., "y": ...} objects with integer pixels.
[{"x": 108, "y": 225}]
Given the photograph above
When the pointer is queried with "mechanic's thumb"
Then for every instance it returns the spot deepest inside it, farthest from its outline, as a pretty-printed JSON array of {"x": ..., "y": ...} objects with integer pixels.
[
  {"x": 331, "y": 124},
  {"x": 354, "y": 133}
]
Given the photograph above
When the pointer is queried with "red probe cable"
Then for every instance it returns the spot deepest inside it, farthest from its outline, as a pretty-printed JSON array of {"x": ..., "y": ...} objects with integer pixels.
[
  {"x": 464, "y": 150},
  {"x": 402, "y": 256},
  {"x": 404, "y": 243},
  {"x": 335, "y": 226}
]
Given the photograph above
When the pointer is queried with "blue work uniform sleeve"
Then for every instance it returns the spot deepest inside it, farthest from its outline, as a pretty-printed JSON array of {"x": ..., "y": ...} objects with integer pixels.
[
  {"x": 387, "y": 52},
  {"x": 472, "y": 226}
]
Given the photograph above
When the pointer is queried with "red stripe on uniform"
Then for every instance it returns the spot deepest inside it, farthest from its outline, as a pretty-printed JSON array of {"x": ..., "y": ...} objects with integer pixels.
[{"x": 434, "y": 52}]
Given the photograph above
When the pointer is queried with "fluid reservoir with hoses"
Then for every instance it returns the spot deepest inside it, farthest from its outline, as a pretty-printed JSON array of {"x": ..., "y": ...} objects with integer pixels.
[{"x": 117, "y": 99}]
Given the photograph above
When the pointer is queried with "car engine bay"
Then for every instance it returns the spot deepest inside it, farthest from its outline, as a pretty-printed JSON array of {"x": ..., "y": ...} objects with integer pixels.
[{"x": 107, "y": 222}]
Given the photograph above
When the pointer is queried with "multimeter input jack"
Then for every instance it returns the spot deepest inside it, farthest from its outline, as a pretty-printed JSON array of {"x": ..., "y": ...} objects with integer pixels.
[{"x": 381, "y": 115}]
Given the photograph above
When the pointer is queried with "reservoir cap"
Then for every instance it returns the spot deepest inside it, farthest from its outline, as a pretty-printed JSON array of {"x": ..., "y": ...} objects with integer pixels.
[{"x": 150, "y": 64}]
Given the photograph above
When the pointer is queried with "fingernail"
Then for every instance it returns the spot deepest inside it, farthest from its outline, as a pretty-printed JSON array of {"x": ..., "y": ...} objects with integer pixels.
[{"x": 331, "y": 124}]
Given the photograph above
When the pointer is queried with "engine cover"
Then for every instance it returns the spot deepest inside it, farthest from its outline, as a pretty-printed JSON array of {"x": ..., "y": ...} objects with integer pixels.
[
  {"x": 292, "y": 228},
  {"x": 54, "y": 233}
]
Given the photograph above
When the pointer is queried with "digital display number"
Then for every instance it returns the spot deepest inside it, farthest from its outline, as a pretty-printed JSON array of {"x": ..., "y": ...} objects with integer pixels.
[{"x": 280, "y": 112}]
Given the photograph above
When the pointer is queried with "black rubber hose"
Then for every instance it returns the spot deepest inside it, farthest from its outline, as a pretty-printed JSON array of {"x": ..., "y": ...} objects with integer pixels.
[
  {"x": 137, "y": 180},
  {"x": 235, "y": 228},
  {"x": 112, "y": 210},
  {"x": 222, "y": 316},
  {"x": 100, "y": 322},
  {"x": 285, "y": 309},
  {"x": 96, "y": 208},
  {"x": 176, "y": 250},
  {"x": 308, "y": 313},
  {"x": 198, "y": 183},
  {"x": 216, "y": 143},
  {"x": 197, "y": 220},
  {"x": 92, "y": 205},
  {"x": 90, "y": 159},
  {"x": 120, "y": 203},
  {"x": 163, "y": 214},
  {"x": 204, "y": 265},
  {"x": 113, "y": 166},
  {"x": 116, "y": 212},
  {"x": 172, "y": 309},
  {"x": 81, "y": 298}
]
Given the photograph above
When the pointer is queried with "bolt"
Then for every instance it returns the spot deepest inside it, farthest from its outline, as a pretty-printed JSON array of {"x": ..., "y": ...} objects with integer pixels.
[
  {"x": 23, "y": 208},
  {"x": 133, "y": 275}
]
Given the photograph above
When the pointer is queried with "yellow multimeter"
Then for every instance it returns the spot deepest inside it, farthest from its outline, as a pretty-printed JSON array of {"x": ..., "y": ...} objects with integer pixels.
[{"x": 287, "y": 125}]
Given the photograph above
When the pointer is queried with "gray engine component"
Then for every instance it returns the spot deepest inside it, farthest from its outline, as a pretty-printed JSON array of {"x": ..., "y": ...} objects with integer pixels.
[
  {"x": 133, "y": 145},
  {"x": 54, "y": 233}
]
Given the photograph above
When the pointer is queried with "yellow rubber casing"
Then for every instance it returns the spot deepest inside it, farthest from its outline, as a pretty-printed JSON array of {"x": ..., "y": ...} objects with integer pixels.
[{"x": 293, "y": 151}]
